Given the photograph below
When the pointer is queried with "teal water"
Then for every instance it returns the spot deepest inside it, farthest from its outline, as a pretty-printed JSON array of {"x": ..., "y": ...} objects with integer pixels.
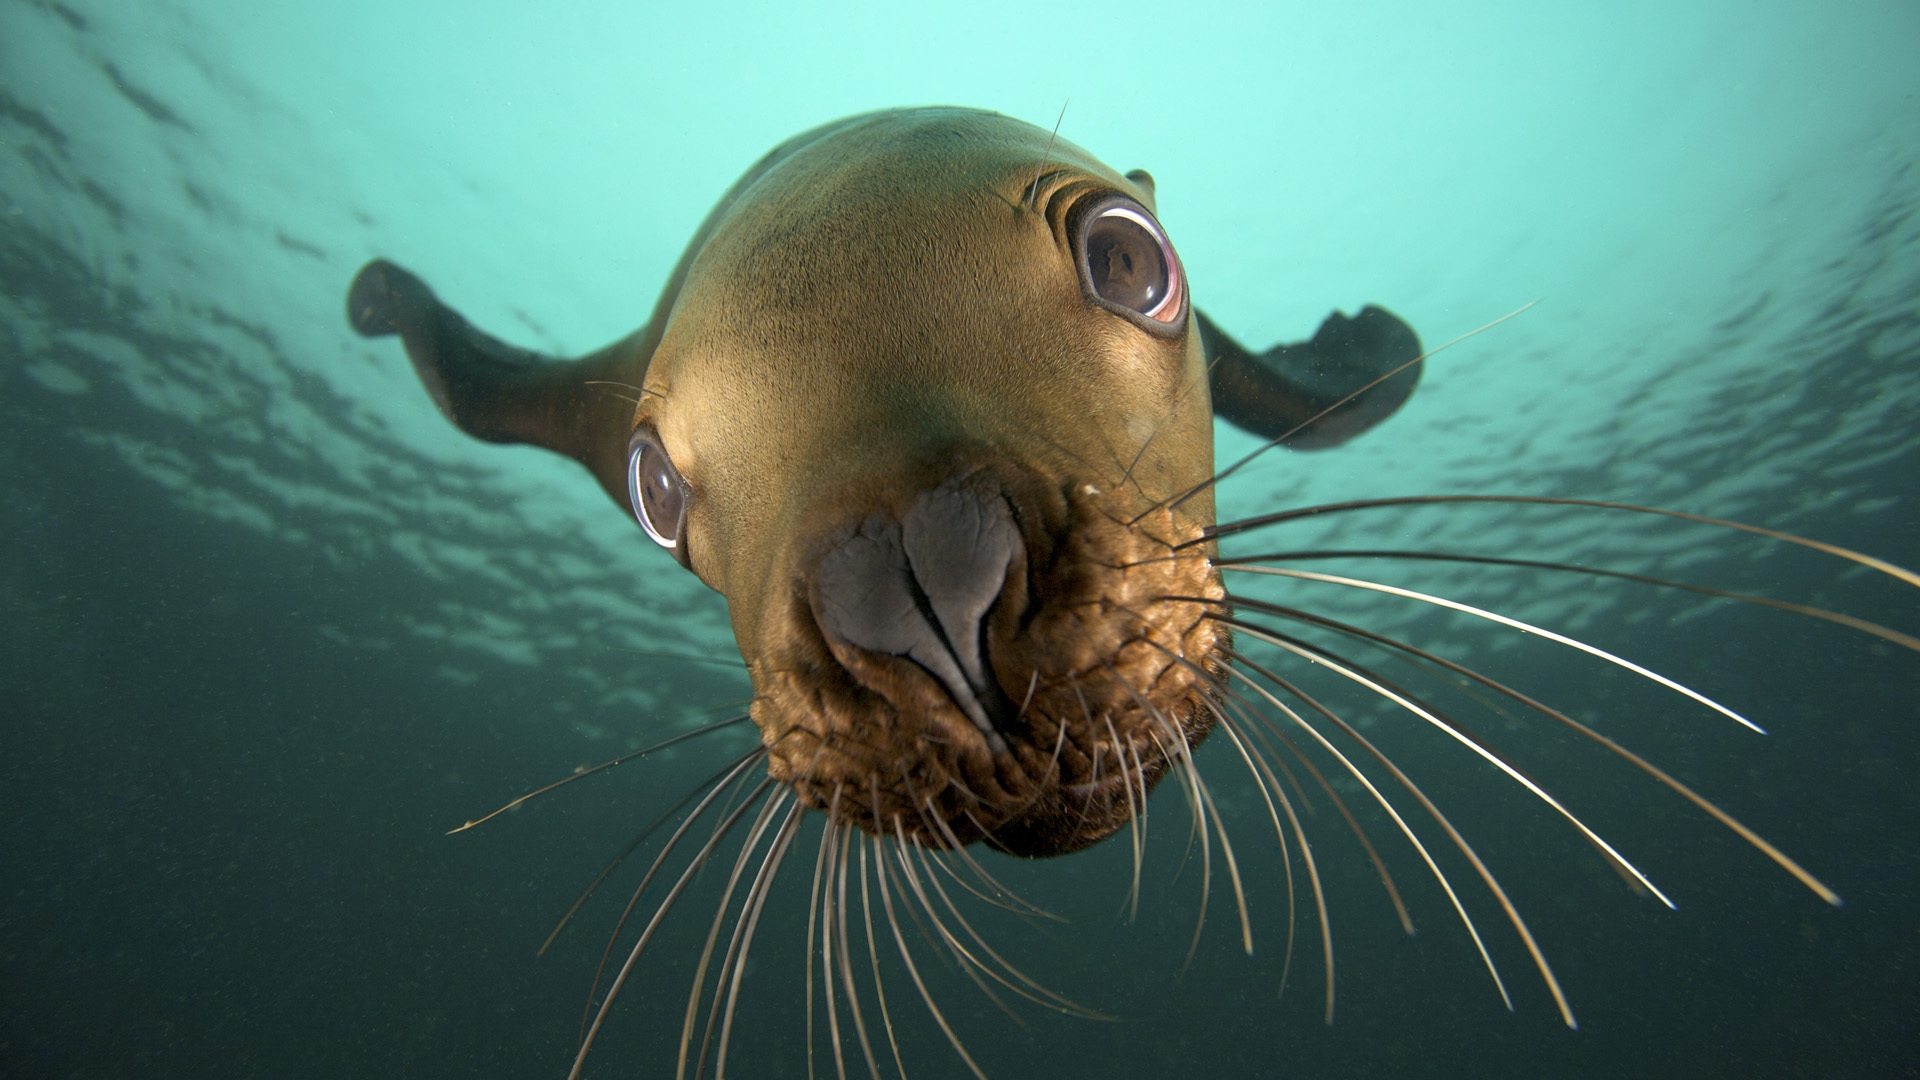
[{"x": 271, "y": 626}]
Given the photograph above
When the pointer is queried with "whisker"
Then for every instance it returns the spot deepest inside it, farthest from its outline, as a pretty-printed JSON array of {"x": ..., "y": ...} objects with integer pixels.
[
  {"x": 906, "y": 957},
  {"x": 757, "y": 897},
  {"x": 846, "y": 963},
  {"x": 693, "y": 867},
  {"x": 1133, "y": 821},
  {"x": 659, "y": 860},
  {"x": 955, "y": 877},
  {"x": 1259, "y": 739},
  {"x": 603, "y": 766},
  {"x": 813, "y": 912},
  {"x": 968, "y": 963},
  {"x": 1219, "y": 827},
  {"x": 1459, "y": 841},
  {"x": 1246, "y": 524},
  {"x": 1190, "y": 780},
  {"x": 760, "y": 822},
  {"x": 873, "y": 953},
  {"x": 1306, "y": 853},
  {"x": 1300, "y": 835},
  {"x": 638, "y": 839},
  {"x": 1316, "y": 417},
  {"x": 1052, "y": 1000},
  {"x": 960, "y": 852},
  {"x": 1779, "y": 857},
  {"x": 1351, "y": 671},
  {"x": 1504, "y": 620},
  {"x": 839, "y": 831},
  {"x": 1884, "y": 633}
]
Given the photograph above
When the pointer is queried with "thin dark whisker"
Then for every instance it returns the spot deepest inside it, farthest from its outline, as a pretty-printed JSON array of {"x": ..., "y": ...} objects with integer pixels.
[
  {"x": 960, "y": 852},
  {"x": 1316, "y": 417},
  {"x": 813, "y": 914},
  {"x": 1133, "y": 821},
  {"x": 1219, "y": 827},
  {"x": 840, "y": 832},
  {"x": 1264, "y": 780},
  {"x": 1299, "y": 831},
  {"x": 603, "y": 766},
  {"x": 1189, "y": 781},
  {"x": 970, "y": 966}
]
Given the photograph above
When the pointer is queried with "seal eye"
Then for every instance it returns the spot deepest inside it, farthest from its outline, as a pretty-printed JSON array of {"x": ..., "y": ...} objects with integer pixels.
[
  {"x": 1130, "y": 264},
  {"x": 656, "y": 490}
]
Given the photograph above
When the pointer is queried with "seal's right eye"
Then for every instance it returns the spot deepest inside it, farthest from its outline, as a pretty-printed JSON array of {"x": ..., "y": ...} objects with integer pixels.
[{"x": 656, "y": 491}]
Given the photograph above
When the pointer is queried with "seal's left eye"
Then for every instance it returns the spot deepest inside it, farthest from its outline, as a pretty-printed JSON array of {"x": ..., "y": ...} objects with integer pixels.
[
  {"x": 1130, "y": 264},
  {"x": 656, "y": 491}
]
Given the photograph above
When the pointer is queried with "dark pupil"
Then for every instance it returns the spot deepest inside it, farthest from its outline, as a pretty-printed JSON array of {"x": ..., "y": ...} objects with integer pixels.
[
  {"x": 660, "y": 494},
  {"x": 1126, "y": 263}
]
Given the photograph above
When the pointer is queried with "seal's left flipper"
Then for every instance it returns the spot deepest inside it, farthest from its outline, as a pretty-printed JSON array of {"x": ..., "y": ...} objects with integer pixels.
[
  {"x": 1272, "y": 393},
  {"x": 494, "y": 391}
]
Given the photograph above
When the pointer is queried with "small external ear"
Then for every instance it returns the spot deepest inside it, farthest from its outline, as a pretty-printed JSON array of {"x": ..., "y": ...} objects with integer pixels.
[
  {"x": 1144, "y": 180},
  {"x": 496, "y": 392},
  {"x": 1275, "y": 393}
]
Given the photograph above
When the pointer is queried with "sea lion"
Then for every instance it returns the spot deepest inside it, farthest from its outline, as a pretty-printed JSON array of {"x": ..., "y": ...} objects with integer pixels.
[
  {"x": 920, "y": 400},
  {"x": 928, "y": 401}
]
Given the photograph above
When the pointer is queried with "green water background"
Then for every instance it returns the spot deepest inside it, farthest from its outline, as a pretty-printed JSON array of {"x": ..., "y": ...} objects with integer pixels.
[{"x": 271, "y": 626}]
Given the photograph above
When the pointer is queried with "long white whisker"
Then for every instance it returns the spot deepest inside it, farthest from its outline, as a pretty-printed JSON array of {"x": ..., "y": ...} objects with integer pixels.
[
  {"x": 873, "y": 954},
  {"x": 846, "y": 961},
  {"x": 760, "y": 822},
  {"x": 633, "y": 957},
  {"x": 1133, "y": 821},
  {"x": 1493, "y": 616},
  {"x": 1313, "y": 879},
  {"x": 1051, "y": 999},
  {"x": 1460, "y": 842},
  {"x": 1512, "y": 773},
  {"x": 1779, "y": 857},
  {"x": 969, "y": 964},
  {"x": 813, "y": 913},
  {"x": 757, "y": 897},
  {"x": 906, "y": 957}
]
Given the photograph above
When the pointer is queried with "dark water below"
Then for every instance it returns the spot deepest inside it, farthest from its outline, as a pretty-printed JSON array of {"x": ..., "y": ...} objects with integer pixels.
[{"x": 270, "y": 628}]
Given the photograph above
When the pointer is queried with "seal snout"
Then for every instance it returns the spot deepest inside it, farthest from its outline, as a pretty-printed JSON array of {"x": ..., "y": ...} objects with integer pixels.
[{"x": 921, "y": 587}]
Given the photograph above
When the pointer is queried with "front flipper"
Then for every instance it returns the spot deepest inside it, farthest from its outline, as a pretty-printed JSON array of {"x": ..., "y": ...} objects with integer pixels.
[
  {"x": 1275, "y": 392},
  {"x": 499, "y": 393}
]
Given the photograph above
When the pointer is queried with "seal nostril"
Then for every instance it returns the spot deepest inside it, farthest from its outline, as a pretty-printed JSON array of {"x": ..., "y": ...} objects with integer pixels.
[
  {"x": 922, "y": 589},
  {"x": 959, "y": 545}
]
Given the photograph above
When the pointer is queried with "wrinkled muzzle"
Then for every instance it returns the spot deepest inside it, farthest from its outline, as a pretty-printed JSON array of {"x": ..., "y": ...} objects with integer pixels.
[{"x": 991, "y": 661}]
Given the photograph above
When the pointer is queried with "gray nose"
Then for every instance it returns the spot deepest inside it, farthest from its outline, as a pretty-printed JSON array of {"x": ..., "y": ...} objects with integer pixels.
[{"x": 920, "y": 587}]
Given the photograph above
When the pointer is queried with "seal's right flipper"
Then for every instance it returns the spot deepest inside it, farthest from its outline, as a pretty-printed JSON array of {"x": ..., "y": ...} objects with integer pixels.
[
  {"x": 494, "y": 391},
  {"x": 1272, "y": 394}
]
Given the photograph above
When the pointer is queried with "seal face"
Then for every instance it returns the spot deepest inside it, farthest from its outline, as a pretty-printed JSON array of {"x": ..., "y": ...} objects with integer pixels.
[
  {"x": 904, "y": 383},
  {"x": 928, "y": 402}
]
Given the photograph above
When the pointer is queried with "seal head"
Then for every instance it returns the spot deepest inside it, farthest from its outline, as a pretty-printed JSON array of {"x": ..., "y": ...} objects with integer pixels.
[{"x": 919, "y": 402}]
